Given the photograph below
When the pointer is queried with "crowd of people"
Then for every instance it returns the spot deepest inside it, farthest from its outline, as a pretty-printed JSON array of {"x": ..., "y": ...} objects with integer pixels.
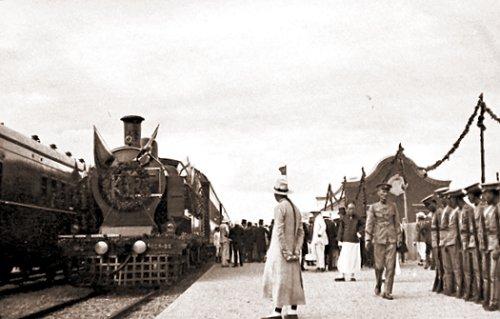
[
  {"x": 464, "y": 242},
  {"x": 240, "y": 243},
  {"x": 458, "y": 239}
]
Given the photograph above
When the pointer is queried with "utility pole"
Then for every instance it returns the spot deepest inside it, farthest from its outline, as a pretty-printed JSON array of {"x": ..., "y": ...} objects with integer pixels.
[{"x": 482, "y": 128}]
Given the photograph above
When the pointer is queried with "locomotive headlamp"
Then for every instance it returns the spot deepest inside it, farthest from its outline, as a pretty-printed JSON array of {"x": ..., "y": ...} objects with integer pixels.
[
  {"x": 139, "y": 247},
  {"x": 101, "y": 247}
]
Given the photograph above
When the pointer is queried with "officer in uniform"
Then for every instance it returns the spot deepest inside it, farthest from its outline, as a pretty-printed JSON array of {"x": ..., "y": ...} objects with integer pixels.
[
  {"x": 430, "y": 203},
  {"x": 383, "y": 233},
  {"x": 474, "y": 196},
  {"x": 491, "y": 234}
]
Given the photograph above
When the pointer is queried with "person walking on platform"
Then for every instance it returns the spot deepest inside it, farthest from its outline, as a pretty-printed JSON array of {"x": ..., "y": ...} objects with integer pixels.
[
  {"x": 224, "y": 243},
  {"x": 491, "y": 235},
  {"x": 319, "y": 240},
  {"x": 349, "y": 233},
  {"x": 282, "y": 279},
  {"x": 431, "y": 204},
  {"x": 236, "y": 236},
  {"x": 383, "y": 234},
  {"x": 474, "y": 196},
  {"x": 260, "y": 241}
]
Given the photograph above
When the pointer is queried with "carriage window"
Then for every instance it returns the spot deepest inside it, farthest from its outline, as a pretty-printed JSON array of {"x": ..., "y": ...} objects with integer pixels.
[
  {"x": 44, "y": 186},
  {"x": 64, "y": 196},
  {"x": 53, "y": 192}
]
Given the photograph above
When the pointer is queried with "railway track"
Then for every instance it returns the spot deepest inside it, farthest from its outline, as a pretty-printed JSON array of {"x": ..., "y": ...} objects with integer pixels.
[
  {"x": 127, "y": 310},
  {"x": 46, "y": 311}
]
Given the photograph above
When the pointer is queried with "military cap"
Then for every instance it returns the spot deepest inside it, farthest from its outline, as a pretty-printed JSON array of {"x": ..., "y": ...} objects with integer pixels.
[
  {"x": 474, "y": 188},
  {"x": 491, "y": 186},
  {"x": 261, "y": 222},
  {"x": 441, "y": 191},
  {"x": 428, "y": 198},
  {"x": 455, "y": 193},
  {"x": 243, "y": 221},
  {"x": 385, "y": 186}
]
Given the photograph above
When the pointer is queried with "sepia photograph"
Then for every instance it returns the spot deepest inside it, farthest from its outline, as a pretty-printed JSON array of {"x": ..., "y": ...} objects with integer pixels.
[{"x": 215, "y": 159}]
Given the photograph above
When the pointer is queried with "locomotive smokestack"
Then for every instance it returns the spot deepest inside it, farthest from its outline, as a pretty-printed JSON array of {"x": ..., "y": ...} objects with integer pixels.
[{"x": 132, "y": 130}]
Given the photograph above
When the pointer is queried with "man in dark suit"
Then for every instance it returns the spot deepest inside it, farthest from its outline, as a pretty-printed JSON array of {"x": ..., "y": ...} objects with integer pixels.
[
  {"x": 260, "y": 241},
  {"x": 331, "y": 250},
  {"x": 236, "y": 235}
]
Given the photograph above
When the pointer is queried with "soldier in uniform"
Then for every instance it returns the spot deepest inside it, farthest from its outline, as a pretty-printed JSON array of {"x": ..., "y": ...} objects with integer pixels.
[
  {"x": 430, "y": 203},
  {"x": 448, "y": 237},
  {"x": 383, "y": 233},
  {"x": 465, "y": 215},
  {"x": 474, "y": 196},
  {"x": 491, "y": 234}
]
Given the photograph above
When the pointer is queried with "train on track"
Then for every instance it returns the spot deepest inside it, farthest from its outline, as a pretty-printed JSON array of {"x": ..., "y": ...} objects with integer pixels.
[
  {"x": 42, "y": 195},
  {"x": 156, "y": 216}
]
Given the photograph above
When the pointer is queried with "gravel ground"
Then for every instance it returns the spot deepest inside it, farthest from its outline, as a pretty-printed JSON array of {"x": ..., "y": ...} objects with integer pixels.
[
  {"x": 167, "y": 296},
  {"x": 99, "y": 307},
  {"x": 14, "y": 306},
  {"x": 236, "y": 293}
]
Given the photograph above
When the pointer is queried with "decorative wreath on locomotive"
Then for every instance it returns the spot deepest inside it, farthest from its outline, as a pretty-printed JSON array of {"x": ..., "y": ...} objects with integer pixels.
[{"x": 157, "y": 216}]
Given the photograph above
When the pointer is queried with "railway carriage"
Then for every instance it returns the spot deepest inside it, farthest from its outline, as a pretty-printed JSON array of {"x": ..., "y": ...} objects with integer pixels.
[
  {"x": 40, "y": 198},
  {"x": 157, "y": 216}
]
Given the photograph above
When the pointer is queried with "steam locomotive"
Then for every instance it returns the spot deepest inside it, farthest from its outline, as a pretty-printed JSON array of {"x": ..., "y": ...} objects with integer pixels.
[
  {"x": 157, "y": 216},
  {"x": 40, "y": 198}
]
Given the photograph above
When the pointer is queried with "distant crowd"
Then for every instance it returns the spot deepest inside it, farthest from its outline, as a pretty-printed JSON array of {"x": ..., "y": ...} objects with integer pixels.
[{"x": 240, "y": 243}]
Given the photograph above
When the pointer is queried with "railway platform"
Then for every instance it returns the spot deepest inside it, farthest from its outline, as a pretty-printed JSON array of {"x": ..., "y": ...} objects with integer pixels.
[{"x": 237, "y": 293}]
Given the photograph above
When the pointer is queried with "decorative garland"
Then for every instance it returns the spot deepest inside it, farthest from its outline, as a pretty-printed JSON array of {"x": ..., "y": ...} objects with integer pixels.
[
  {"x": 461, "y": 137},
  {"x": 493, "y": 115}
]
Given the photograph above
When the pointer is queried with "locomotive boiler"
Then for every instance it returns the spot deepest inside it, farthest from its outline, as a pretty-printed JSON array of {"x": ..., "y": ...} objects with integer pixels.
[
  {"x": 41, "y": 196},
  {"x": 157, "y": 215}
]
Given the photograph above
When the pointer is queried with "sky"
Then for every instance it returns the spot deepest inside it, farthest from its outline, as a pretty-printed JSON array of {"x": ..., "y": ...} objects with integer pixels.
[{"x": 241, "y": 87}]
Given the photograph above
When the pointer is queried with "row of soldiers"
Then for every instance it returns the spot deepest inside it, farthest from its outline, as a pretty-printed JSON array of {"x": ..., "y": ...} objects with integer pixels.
[{"x": 465, "y": 242}]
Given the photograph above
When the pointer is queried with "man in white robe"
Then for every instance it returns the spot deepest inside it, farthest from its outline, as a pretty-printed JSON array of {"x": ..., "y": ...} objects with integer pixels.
[{"x": 319, "y": 241}]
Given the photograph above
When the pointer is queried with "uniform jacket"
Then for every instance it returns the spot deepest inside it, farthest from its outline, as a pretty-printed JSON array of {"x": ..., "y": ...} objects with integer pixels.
[
  {"x": 444, "y": 226},
  {"x": 349, "y": 226},
  {"x": 319, "y": 231},
  {"x": 464, "y": 219},
  {"x": 383, "y": 224},
  {"x": 490, "y": 221},
  {"x": 282, "y": 280},
  {"x": 452, "y": 228},
  {"x": 435, "y": 228}
]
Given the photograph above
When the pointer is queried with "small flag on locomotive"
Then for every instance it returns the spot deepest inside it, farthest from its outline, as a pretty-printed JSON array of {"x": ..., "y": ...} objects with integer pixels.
[{"x": 157, "y": 216}]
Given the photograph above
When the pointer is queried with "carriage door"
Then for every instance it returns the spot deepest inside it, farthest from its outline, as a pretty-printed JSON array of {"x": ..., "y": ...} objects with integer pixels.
[{"x": 1, "y": 175}]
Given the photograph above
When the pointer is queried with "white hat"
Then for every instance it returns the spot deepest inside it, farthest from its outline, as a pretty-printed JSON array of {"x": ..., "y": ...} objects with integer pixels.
[
  {"x": 420, "y": 215},
  {"x": 281, "y": 187},
  {"x": 326, "y": 213}
]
